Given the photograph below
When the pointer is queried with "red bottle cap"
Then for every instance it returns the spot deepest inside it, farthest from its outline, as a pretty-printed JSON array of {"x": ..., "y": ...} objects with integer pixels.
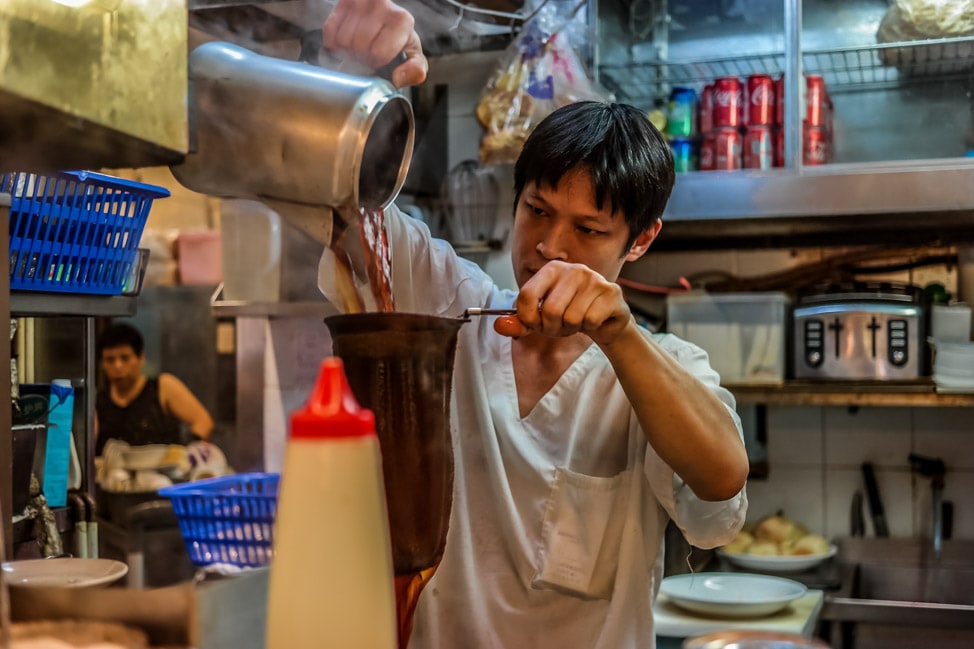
[{"x": 332, "y": 410}]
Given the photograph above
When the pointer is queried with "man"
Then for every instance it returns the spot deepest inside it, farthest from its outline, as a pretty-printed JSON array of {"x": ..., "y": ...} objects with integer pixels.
[
  {"x": 577, "y": 434},
  {"x": 141, "y": 410}
]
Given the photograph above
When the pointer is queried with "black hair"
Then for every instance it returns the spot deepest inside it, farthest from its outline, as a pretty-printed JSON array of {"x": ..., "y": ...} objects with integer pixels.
[
  {"x": 119, "y": 334},
  {"x": 630, "y": 163}
]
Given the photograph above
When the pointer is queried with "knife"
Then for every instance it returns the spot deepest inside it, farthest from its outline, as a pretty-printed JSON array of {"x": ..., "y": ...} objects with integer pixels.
[
  {"x": 875, "y": 503},
  {"x": 857, "y": 526}
]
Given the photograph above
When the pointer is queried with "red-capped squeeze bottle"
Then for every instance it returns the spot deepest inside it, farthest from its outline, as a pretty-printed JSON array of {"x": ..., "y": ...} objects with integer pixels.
[{"x": 331, "y": 579}]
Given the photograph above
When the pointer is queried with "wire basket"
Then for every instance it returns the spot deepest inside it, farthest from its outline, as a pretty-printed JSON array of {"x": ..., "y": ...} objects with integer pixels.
[
  {"x": 75, "y": 231},
  {"x": 227, "y": 520}
]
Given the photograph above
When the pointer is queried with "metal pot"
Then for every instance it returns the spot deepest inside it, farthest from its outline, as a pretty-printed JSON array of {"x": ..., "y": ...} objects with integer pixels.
[{"x": 267, "y": 128}]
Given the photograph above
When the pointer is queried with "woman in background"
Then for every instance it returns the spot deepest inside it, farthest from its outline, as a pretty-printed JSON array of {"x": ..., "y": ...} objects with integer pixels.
[{"x": 137, "y": 409}]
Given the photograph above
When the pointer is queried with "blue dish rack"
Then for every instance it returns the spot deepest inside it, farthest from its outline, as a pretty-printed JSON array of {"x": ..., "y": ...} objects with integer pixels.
[
  {"x": 227, "y": 520},
  {"x": 75, "y": 231}
]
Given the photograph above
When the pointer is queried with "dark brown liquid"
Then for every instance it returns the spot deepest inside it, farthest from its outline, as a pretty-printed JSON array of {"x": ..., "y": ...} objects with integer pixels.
[
  {"x": 408, "y": 588},
  {"x": 362, "y": 249},
  {"x": 376, "y": 243}
]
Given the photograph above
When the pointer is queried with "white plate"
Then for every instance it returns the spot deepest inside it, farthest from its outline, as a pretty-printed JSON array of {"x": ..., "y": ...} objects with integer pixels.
[
  {"x": 728, "y": 594},
  {"x": 65, "y": 573},
  {"x": 777, "y": 563}
]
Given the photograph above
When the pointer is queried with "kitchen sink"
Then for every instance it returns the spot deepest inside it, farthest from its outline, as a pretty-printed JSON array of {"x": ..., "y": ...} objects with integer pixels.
[
  {"x": 901, "y": 587},
  {"x": 931, "y": 585}
]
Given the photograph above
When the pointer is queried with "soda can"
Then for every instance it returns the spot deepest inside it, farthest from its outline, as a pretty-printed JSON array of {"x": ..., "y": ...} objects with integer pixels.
[
  {"x": 759, "y": 102},
  {"x": 727, "y": 149},
  {"x": 707, "y": 161},
  {"x": 684, "y": 154},
  {"x": 778, "y": 153},
  {"x": 706, "y": 116},
  {"x": 728, "y": 105},
  {"x": 815, "y": 145},
  {"x": 757, "y": 147},
  {"x": 681, "y": 117},
  {"x": 816, "y": 100},
  {"x": 779, "y": 100}
]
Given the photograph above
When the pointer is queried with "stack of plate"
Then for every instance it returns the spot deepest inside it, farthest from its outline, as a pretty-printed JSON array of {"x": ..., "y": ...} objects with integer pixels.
[{"x": 953, "y": 366}]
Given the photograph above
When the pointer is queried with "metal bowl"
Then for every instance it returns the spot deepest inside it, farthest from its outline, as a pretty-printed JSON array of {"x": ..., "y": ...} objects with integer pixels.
[{"x": 752, "y": 640}]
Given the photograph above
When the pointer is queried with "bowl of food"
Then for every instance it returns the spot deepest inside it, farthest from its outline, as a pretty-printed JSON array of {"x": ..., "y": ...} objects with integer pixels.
[{"x": 777, "y": 544}]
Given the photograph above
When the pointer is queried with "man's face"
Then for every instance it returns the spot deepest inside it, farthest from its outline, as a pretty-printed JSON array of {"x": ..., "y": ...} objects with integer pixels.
[
  {"x": 563, "y": 223},
  {"x": 121, "y": 363}
]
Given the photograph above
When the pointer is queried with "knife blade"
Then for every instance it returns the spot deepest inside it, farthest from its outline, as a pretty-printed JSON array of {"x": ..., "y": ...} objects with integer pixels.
[{"x": 875, "y": 502}]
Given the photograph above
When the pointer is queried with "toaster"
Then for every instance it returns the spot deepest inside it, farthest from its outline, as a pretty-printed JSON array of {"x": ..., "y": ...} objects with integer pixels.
[{"x": 864, "y": 332}]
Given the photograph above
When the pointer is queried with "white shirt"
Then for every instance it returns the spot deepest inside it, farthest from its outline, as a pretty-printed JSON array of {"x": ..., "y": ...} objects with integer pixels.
[{"x": 556, "y": 533}]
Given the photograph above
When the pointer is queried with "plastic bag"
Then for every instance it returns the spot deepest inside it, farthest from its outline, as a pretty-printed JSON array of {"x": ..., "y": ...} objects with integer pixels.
[
  {"x": 913, "y": 20},
  {"x": 540, "y": 72}
]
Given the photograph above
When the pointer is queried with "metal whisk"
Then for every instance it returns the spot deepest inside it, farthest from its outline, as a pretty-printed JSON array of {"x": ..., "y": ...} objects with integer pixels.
[{"x": 470, "y": 193}]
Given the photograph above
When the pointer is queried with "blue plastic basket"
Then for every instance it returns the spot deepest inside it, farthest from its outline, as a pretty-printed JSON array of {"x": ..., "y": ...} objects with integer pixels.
[
  {"x": 228, "y": 519},
  {"x": 75, "y": 231}
]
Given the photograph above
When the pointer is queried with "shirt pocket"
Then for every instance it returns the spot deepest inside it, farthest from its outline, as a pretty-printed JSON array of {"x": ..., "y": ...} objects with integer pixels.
[{"x": 581, "y": 533}]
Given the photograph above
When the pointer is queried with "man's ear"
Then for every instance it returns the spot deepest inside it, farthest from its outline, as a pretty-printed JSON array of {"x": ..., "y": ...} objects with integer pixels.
[{"x": 642, "y": 242}]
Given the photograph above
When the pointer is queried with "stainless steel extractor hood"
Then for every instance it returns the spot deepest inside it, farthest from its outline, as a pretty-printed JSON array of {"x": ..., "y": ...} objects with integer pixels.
[{"x": 100, "y": 84}]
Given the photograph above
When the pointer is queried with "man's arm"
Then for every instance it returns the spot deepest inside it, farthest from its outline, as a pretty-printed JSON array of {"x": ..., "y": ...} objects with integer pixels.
[
  {"x": 179, "y": 401},
  {"x": 686, "y": 424}
]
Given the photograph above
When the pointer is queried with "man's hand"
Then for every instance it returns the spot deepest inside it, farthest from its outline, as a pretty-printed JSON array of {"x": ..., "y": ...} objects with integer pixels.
[
  {"x": 563, "y": 299},
  {"x": 374, "y": 32}
]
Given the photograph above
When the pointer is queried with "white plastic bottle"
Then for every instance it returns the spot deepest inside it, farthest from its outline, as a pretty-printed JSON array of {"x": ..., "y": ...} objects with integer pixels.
[{"x": 331, "y": 579}]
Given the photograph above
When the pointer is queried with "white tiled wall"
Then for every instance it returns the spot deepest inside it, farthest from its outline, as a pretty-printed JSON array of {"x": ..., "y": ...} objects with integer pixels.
[{"x": 815, "y": 457}]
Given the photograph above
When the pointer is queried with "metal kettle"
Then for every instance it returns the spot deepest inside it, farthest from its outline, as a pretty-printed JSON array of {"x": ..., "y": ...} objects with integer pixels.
[{"x": 271, "y": 129}]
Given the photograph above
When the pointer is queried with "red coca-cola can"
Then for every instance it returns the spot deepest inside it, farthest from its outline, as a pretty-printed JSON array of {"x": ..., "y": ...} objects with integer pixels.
[
  {"x": 815, "y": 145},
  {"x": 759, "y": 102},
  {"x": 779, "y": 100},
  {"x": 778, "y": 152},
  {"x": 816, "y": 100},
  {"x": 728, "y": 143},
  {"x": 707, "y": 161},
  {"x": 728, "y": 104},
  {"x": 706, "y": 117},
  {"x": 757, "y": 147}
]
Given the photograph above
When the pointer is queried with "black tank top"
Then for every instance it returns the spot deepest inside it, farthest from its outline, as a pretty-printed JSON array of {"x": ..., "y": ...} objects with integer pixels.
[{"x": 141, "y": 422}]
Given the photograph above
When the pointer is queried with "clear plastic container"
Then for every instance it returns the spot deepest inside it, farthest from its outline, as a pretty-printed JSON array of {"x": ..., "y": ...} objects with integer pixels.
[
  {"x": 743, "y": 333},
  {"x": 251, "y": 235}
]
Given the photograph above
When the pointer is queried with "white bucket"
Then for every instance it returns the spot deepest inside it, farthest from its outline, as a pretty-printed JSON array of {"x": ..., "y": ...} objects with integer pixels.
[{"x": 251, "y": 251}]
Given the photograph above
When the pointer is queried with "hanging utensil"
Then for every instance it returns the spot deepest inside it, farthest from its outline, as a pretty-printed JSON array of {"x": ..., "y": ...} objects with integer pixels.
[
  {"x": 875, "y": 502},
  {"x": 470, "y": 193}
]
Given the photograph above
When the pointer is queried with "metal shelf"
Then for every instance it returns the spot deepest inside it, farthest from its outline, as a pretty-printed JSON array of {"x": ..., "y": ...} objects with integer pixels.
[
  {"x": 222, "y": 308},
  {"x": 26, "y": 303},
  {"x": 921, "y": 393},
  {"x": 844, "y": 69}
]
